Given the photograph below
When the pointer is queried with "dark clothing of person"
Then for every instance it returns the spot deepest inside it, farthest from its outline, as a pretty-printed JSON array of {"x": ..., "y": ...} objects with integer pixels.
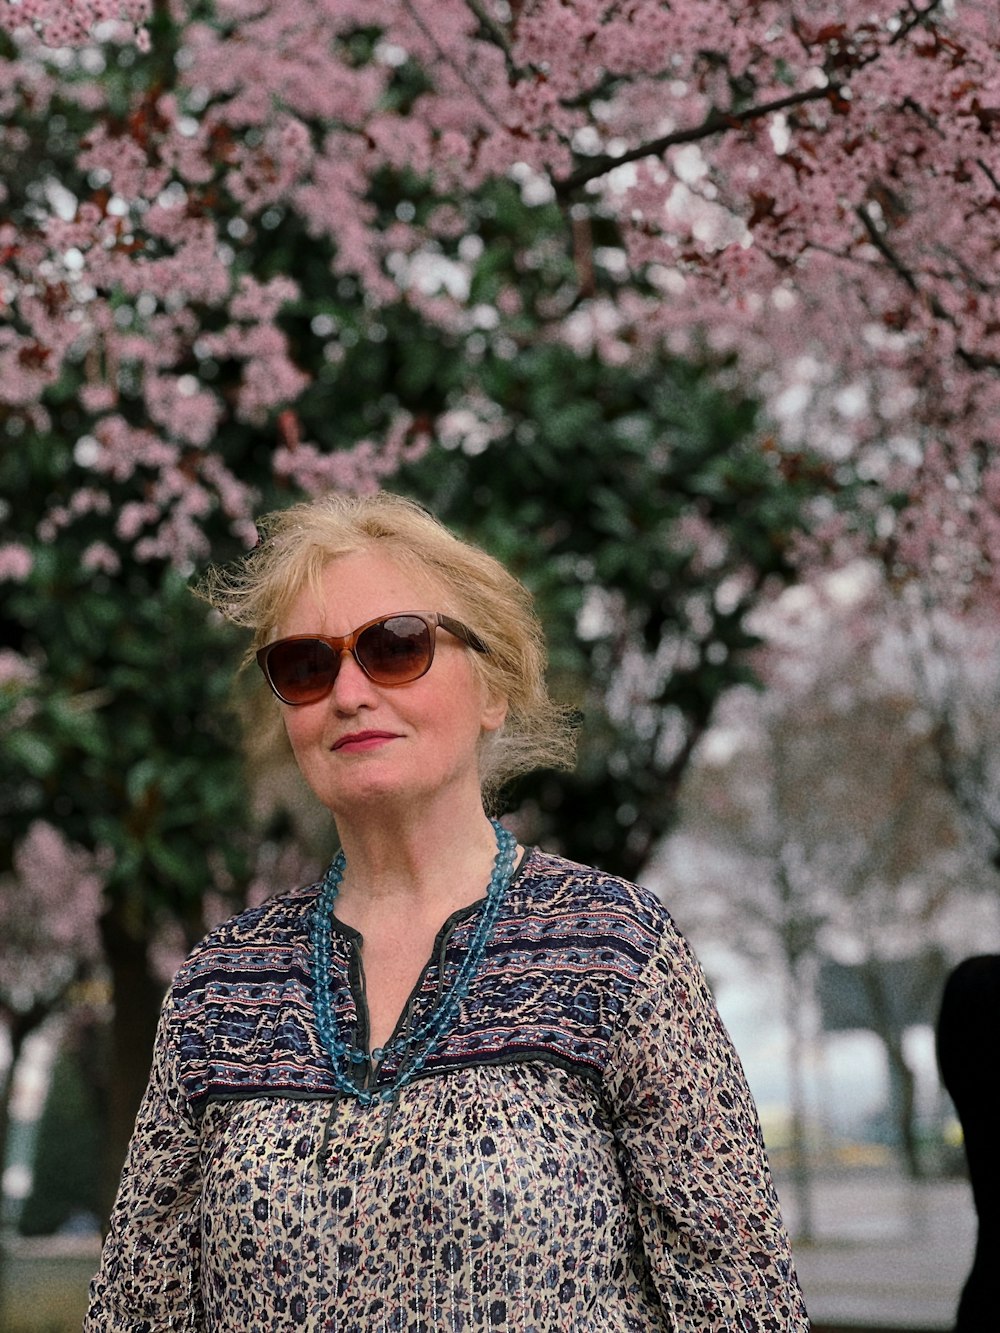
[{"x": 968, "y": 1040}]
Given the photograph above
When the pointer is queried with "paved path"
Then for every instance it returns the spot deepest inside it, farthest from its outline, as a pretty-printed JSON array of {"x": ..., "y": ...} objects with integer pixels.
[{"x": 888, "y": 1253}]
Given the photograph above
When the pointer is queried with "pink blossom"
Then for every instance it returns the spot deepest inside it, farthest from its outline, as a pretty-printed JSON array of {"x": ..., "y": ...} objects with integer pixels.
[
  {"x": 100, "y": 558},
  {"x": 49, "y": 908},
  {"x": 186, "y": 411},
  {"x": 133, "y": 517},
  {"x": 59, "y": 24},
  {"x": 98, "y": 397},
  {"x": 258, "y": 303},
  {"x": 89, "y": 500},
  {"x": 360, "y": 468},
  {"x": 15, "y": 669},
  {"x": 16, "y": 562}
]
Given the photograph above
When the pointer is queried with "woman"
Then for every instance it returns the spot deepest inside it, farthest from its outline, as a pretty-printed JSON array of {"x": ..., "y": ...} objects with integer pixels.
[{"x": 458, "y": 1084}]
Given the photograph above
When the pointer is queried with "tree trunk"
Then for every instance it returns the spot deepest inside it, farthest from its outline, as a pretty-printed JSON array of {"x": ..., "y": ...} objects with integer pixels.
[
  {"x": 903, "y": 1094},
  {"x": 6, "y": 1092},
  {"x": 801, "y": 1175},
  {"x": 19, "y": 1029},
  {"x": 6, "y": 1089},
  {"x": 136, "y": 999},
  {"x": 902, "y": 1083}
]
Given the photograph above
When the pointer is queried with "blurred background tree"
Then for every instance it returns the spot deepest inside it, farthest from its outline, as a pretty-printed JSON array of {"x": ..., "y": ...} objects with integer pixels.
[
  {"x": 583, "y": 292},
  {"x": 631, "y": 492},
  {"x": 50, "y": 900},
  {"x": 822, "y": 796}
]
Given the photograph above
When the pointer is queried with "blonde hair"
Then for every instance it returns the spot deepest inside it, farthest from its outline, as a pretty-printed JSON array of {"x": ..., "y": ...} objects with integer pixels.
[{"x": 299, "y": 542}]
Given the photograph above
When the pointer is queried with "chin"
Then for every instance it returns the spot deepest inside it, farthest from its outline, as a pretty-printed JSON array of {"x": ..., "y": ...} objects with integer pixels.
[{"x": 368, "y": 794}]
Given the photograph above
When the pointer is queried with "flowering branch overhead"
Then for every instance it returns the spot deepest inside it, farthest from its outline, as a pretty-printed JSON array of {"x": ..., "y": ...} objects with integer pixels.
[
  {"x": 813, "y": 197},
  {"x": 716, "y": 122}
]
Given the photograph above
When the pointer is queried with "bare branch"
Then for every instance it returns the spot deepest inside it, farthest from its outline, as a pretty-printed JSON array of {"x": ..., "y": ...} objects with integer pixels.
[
  {"x": 716, "y": 122},
  {"x": 988, "y": 173},
  {"x": 457, "y": 69},
  {"x": 885, "y": 249},
  {"x": 494, "y": 29},
  {"x": 917, "y": 18},
  {"x": 974, "y": 360}
]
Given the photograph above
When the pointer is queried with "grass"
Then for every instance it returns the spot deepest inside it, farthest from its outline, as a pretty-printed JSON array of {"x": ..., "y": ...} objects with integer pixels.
[{"x": 45, "y": 1294}]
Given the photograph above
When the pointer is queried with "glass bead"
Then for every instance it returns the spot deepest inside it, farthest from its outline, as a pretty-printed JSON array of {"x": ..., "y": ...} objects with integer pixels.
[{"x": 426, "y": 1036}]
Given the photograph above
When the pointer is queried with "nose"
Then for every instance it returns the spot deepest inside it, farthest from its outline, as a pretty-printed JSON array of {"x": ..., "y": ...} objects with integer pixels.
[{"x": 352, "y": 689}]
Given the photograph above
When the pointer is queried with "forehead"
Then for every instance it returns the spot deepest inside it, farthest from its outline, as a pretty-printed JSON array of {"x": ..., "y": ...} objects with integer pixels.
[{"x": 362, "y": 585}]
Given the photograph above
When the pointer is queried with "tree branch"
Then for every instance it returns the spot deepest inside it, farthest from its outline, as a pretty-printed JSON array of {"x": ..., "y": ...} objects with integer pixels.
[
  {"x": 885, "y": 249},
  {"x": 494, "y": 29},
  {"x": 457, "y": 69},
  {"x": 917, "y": 18},
  {"x": 716, "y": 122},
  {"x": 974, "y": 360},
  {"x": 988, "y": 173}
]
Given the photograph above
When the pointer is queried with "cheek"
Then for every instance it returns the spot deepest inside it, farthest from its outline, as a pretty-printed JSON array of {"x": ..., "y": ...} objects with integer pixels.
[{"x": 303, "y": 727}]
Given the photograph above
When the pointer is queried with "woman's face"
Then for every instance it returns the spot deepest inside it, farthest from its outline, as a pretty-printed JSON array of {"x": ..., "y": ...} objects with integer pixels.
[{"x": 368, "y": 743}]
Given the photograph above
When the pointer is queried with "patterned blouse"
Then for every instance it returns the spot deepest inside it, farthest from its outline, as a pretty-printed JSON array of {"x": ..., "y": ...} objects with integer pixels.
[{"x": 579, "y": 1153}]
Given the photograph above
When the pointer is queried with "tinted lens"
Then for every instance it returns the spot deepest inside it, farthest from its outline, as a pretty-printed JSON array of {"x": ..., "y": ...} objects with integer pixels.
[
  {"x": 395, "y": 651},
  {"x": 302, "y": 671}
]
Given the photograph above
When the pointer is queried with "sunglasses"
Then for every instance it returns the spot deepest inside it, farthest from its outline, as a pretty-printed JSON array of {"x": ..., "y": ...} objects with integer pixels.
[{"x": 392, "y": 650}]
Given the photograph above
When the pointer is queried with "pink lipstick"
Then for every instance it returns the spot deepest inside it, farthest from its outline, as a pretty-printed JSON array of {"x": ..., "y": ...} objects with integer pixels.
[{"x": 363, "y": 740}]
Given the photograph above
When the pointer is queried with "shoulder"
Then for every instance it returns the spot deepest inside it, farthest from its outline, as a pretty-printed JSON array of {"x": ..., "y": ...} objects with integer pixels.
[
  {"x": 609, "y": 916},
  {"x": 590, "y": 901},
  {"x": 259, "y": 942},
  {"x": 558, "y": 884},
  {"x": 240, "y": 1008},
  {"x": 578, "y": 957}
]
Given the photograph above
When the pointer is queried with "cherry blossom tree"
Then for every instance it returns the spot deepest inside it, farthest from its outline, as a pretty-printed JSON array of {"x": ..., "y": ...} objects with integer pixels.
[
  {"x": 951, "y": 664},
  {"x": 822, "y": 799},
  {"x": 816, "y": 194},
  {"x": 255, "y": 248}
]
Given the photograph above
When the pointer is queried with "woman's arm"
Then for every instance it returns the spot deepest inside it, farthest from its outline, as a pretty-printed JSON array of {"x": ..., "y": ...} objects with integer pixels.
[
  {"x": 149, "y": 1277},
  {"x": 694, "y": 1159}
]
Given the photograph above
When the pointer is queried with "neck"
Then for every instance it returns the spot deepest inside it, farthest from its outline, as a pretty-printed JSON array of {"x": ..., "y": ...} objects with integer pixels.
[{"x": 416, "y": 860}]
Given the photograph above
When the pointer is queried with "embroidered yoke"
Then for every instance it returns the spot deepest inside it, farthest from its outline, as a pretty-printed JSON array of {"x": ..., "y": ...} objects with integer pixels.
[{"x": 580, "y": 1152}]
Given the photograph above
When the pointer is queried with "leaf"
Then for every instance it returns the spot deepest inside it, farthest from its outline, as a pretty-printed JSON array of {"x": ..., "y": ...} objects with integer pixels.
[{"x": 36, "y": 755}]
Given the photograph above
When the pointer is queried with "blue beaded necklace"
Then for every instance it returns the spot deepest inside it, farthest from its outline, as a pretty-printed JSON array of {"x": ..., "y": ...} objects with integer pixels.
[{"x": 416, "y": 1045}]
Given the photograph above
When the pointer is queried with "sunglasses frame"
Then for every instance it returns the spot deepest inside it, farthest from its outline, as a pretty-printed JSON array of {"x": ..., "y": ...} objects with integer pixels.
[{"x": 347, "y": 644}]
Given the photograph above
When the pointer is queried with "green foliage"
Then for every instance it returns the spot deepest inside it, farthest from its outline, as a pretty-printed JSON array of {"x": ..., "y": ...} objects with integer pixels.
[
  {"x": 126, "y": 740},
  {"x": 635, "y": 494},
  {"x": 640, "y": 487}
]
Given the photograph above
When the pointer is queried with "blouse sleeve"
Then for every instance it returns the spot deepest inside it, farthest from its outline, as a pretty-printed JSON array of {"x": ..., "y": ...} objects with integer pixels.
[
  {"x": 694, "y": 1159},
  {"x": 149, "y": 1277}
]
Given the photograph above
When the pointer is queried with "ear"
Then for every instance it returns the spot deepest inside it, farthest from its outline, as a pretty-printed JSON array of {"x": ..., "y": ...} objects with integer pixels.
[{"x": 494, "y": 712}]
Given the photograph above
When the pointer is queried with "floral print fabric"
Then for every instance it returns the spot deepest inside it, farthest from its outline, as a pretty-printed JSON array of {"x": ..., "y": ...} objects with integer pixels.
[{"x": 580, "y": 1153}]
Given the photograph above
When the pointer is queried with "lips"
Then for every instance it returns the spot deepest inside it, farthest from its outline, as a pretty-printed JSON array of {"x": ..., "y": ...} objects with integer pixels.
[{"x": 363, "y": 740}]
